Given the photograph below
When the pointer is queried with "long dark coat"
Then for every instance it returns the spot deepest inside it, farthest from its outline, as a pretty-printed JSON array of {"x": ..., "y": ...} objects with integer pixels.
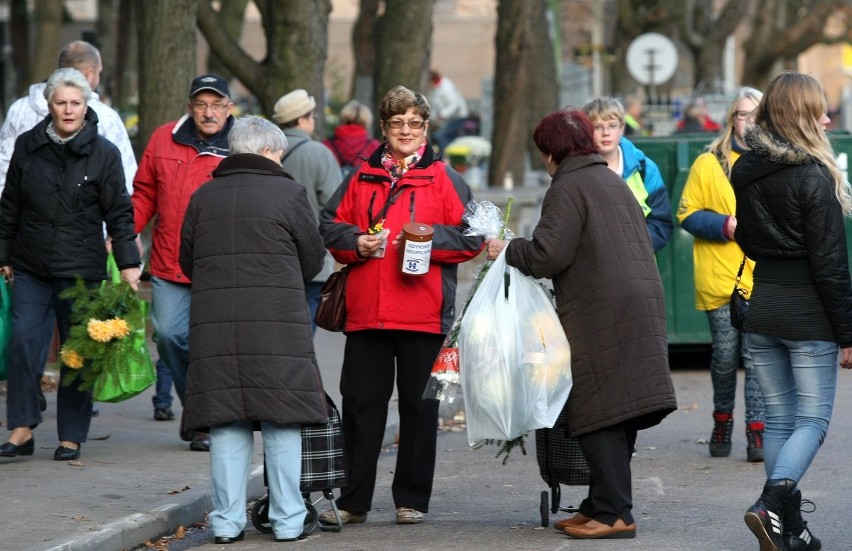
[
  {"x": 249, "y": 243},
  {"x": 592, "y": 242}
]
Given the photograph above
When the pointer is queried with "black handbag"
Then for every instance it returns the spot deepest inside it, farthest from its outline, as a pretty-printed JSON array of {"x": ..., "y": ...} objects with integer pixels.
[
  {"x": 739, "y": 302},
  {"x": 331, "y": 312},
  {"x": 323, "y": 459}
]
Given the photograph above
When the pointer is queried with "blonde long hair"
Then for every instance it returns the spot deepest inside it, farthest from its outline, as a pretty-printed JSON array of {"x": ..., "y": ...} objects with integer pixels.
[
  {"x": 791, "y": 108},
  {"x": 721, "y": 146}
]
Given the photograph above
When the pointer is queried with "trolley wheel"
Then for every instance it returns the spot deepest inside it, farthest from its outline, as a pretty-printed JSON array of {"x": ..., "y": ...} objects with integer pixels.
[
  {"x": 556, "y": 498},
  {"x": 260, "y": 515},
  {"x": 311, "y": 519},
  {"x": 545, "y": 515}
]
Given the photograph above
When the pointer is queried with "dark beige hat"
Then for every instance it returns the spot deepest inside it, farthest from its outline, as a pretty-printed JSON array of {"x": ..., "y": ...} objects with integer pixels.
[{"x": 293, "y": 105}]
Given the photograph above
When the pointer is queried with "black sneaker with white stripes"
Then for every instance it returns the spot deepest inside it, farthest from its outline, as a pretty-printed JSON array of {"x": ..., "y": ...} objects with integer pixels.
[{"x": 766, "y": 526}]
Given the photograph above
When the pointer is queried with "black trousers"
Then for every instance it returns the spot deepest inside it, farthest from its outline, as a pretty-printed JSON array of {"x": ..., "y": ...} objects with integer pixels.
[
  {"x": 608, "y": 452},
  {"x": 371, "y": 362}
]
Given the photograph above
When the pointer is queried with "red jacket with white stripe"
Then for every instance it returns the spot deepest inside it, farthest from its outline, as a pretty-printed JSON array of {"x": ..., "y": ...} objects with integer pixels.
[{"x": 378, "y": 294}]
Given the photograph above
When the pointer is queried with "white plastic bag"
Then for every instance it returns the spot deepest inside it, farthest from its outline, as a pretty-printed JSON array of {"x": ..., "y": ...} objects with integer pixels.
[{"x": 515, "y": 359}]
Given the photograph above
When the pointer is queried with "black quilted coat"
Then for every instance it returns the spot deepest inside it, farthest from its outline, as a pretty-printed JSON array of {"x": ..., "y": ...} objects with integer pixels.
[
  {"x": 249, "y": 243},
  {"x": 592, "y": 242},
  {"x": 790, "y": 223},
  {"x": 56, "y": 200}
]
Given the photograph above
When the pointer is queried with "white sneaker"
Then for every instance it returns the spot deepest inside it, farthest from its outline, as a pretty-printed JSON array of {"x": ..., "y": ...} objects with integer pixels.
[{"x": 407, "y": 515}]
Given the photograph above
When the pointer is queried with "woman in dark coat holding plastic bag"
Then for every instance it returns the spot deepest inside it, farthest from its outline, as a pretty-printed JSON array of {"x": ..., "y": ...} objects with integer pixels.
[
  {"x": 250, "y": 242},
  {"x": 592, "y": 242}
]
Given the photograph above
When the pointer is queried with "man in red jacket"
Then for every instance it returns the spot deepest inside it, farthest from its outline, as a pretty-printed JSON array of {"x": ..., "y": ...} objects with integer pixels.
[{"x": 180, "y": 156}]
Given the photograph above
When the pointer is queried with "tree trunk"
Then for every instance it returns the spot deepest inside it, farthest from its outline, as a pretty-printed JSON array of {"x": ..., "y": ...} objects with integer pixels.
[
  {"x": 19, "y": 30},
  {"x": 525, "y": 87},
  {"x": 403, "y": 46},
  {"x": 48, "y": 24},
  {"x": 364, "y": 52},
  {"x": 106, "y": 42},
  {"x": 126, "y": 58},
  {"x": 296, "y": 50},
  {"x": 542, "y": 84},
  {"x": 231, "y": 16},
  {"x": 166, "y": 60}
]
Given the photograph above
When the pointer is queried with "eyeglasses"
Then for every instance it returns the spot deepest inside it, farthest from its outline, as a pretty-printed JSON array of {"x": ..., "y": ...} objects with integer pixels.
[
  {"x": 610, "y": 127},
  {"x": 743, "y": 115},
  {"x": 200, "y": 107},
  {"x": 414, "y": 124}
]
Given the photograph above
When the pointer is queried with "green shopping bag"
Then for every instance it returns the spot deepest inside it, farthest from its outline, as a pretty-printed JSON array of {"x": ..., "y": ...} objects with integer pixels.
[
  {"x": 138, "y": 373},
  {"x": 5, "y": 324},
  {"x": 107, "y": 350}
]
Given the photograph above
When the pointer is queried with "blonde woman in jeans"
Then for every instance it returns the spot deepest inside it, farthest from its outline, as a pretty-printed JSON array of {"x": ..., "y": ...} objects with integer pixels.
[{"x": 791, "y": 201}]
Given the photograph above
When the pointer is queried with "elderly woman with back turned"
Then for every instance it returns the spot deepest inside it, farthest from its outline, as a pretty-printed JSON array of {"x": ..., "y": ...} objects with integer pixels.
[
  {"x": 791, "y": 201},
  {"x": 591, "y": 241},
  {"x": 250, "y": 243},
  {"x": 64, "y": 182}
]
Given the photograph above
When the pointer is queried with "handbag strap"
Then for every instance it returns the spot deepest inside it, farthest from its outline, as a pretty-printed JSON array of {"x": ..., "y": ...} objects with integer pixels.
[{"x": 740, "y": 273}]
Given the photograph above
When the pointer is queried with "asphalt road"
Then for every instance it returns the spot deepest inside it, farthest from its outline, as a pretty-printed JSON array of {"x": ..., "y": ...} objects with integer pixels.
[{"x": 683, "y": 499}]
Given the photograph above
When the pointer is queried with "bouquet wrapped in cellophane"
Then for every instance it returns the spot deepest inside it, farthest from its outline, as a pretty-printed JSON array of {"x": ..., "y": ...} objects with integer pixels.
[
  {"x": 106, "y": 351},
  {"x": 486, "y": 220}
]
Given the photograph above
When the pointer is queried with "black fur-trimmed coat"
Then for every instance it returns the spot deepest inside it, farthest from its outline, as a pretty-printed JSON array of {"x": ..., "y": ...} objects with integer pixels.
[{"x": 791, "y": 224}]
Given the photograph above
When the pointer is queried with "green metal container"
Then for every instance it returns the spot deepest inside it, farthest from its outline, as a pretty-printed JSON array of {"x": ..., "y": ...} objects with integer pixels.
[{"x": 674, "y": 155}]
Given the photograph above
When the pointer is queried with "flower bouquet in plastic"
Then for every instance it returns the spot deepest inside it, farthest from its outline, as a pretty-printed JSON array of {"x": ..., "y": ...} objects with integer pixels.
[
  {"x": 486, "y": 220},
  {"x": 106, "y": 351}
]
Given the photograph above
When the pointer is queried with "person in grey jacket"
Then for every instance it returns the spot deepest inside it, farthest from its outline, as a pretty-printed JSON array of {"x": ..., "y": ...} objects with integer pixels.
[
  {"x": 249, "y": 243},
  {"x": 600, "y": 269},
  {"x": 791, "y": 201},
  {"x": 65, "y": 181},
  {"x": 311, "y": 164}
]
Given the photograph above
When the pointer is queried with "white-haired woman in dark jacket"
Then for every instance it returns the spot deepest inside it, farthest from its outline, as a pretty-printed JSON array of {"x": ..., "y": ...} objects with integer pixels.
[
  {"x": 64, "y": 182},
  {"x": 791, "y": 201},
  {"x": 250, "y": 243}
]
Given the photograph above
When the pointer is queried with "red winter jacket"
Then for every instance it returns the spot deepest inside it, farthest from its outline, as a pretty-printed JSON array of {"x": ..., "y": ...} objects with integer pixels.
[
  {"x": 351, "y": 144},
  {"x": 378, "y": 294},
  {"x": 175, "y": 163}
]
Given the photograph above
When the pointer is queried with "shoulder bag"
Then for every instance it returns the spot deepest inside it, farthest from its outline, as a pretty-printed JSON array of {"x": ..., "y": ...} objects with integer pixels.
[
  {"x": 331, "y": 312},
  {"x": 739, "y": 302}
]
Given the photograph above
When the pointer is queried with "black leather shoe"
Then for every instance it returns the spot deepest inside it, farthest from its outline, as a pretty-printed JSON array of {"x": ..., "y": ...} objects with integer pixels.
[
  {"x": 298, "y": 538},
  {"x": 200, "y": 443},
  {"x": 67, "y": 454},
  {"x": 9, "y": 449},
  {"x": 229, "y": 539}
]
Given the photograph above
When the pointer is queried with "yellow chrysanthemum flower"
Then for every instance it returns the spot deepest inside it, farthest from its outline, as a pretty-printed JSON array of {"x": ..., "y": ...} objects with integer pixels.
[
  {"x": 71, "y": 358},
  {"x": 99, "y": 330},
  {"x": 118, "y": 328}
]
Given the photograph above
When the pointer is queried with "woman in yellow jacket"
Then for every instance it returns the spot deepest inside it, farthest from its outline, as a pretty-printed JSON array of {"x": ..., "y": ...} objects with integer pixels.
[{"x": 706, "y": 210}]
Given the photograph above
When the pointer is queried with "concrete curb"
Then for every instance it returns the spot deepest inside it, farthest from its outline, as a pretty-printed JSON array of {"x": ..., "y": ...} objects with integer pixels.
[{"x": 183, "y": 509}]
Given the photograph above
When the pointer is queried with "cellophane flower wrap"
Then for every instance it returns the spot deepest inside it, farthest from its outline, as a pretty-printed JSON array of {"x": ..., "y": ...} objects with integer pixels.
[
  {"x": 106, "y": 351},
  {"x": 515, "y": 361},
  {"x": 486, "y": 220}
]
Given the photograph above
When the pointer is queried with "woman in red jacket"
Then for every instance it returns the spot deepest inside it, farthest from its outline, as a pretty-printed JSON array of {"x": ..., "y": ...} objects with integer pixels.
[{"x": 395, "y": 322}]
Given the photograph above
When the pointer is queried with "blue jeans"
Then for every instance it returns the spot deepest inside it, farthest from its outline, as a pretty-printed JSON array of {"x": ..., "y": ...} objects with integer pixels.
[
  {"x": 730, "y": 347},
  {"x": 170, "y": 316},
  {"x": 35, "y": 306},
  {"x": 798, "y": 379},
  {"x": 312, "y": 292},
  {"x": 163, "y": 398},
  {"x": 230, "y": 463}
]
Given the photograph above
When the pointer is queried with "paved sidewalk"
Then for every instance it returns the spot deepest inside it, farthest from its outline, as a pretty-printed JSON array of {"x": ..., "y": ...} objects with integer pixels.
[{"x": 135, "y": 480}]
